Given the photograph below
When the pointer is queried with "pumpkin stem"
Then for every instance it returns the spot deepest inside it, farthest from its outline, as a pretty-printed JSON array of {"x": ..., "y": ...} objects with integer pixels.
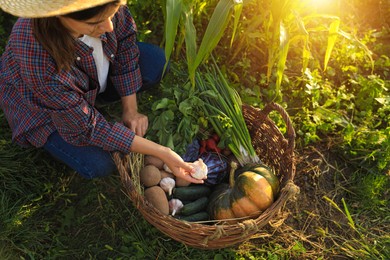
[{"x": 233, "y": 167}]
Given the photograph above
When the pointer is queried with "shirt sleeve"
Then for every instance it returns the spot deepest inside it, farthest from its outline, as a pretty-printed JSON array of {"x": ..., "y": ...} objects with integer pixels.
[
  {"x": 125, "y": 72},
  {"x": 75, "y": 119}
]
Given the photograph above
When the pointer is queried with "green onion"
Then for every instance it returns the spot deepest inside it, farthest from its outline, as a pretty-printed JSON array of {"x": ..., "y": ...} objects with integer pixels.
[{"x": 223, "y": 108}]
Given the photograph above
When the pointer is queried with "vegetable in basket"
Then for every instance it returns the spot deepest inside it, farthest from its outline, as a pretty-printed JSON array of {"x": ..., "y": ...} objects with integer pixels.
[
  {"x": 157, "y": 197},
  {"x": 167, "y": 184},
  {"x": 200, "y": 168},
  {"x": 175, "y": 205},
  {"x": 252, "y": 192},
  {"x": 217, "y": 166},
  {"x": 150, "y": 175},
  {"x": 222, "y": 105}
]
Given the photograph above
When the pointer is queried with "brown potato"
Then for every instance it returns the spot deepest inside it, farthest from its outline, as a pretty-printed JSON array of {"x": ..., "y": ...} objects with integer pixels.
[
  {"x": 157, "y": 197},
  {"x": 152, "y": 160},
  {"x": 182, "y": 183},
  {"x": 150, "y": 175},
  {"x": 165, "y": 174}
]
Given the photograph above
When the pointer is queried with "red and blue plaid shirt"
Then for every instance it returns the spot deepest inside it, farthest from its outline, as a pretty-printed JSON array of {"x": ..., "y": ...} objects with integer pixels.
[{"x": 38, "y": 100}]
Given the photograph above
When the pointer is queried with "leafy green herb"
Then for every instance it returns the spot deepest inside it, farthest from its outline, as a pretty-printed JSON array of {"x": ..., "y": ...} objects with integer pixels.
[{"x": 176, "y": 117}]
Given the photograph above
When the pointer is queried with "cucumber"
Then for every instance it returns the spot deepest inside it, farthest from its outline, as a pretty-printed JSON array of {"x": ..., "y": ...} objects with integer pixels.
[
  {"x": 191, "y": 193},
  {"x": 194, "y": 207},
  {"x": 199, "y": 216}
]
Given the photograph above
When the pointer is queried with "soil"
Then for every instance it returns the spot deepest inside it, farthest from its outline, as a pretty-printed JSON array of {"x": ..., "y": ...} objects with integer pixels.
[{"x": 311, "y": 225}]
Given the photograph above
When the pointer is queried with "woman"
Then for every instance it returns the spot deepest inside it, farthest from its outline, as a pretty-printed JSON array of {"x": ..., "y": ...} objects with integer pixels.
[{"x": 62, "y": 56}]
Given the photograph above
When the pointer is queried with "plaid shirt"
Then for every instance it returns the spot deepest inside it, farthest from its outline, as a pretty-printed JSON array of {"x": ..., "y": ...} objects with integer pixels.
[{"x": 38, "y": 100}]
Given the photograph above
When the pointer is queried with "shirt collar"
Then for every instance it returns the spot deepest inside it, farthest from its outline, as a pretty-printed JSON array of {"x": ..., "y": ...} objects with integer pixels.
[{"x": 82, "y": 49}]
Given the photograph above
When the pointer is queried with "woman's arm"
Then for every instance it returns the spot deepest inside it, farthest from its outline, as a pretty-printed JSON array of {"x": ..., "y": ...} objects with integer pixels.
[{"x": 174, "y": 162}]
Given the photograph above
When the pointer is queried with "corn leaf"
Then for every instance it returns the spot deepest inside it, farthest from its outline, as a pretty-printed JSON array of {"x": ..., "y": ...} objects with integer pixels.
[
  {"x": 284, "y": 46},
  {"x": 213, "y": 33},
  {"x": 190, "y": 38},
  {"x": 333, "y": 32},
  {"x": 306, "y": 54},
  {"x": 237, "y": 14},
  {"x": 173, "y": 13}
]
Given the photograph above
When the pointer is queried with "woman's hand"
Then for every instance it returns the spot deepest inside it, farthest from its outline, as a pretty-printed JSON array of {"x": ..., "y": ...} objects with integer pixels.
[
  {"x": 180, "y": 168},
  {"x": 137, "y": 122},
  {"x": 174, "y": 162}
]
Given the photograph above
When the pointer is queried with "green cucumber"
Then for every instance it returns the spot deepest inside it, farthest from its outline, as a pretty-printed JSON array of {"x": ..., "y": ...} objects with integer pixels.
[
  {"x": 194, "y": 207},
  {"x": 200, "y": 216},
  {"x": 191, "y": 193}
]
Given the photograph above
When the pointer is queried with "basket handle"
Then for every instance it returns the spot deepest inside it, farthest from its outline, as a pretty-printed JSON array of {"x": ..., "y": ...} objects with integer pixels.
[{"x": 290, "y": 129}]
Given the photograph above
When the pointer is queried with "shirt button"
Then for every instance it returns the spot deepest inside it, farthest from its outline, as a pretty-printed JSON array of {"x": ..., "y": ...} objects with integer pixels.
[
  {"x": 112, "y": 55},
  {"x": 78, "y": 58}
]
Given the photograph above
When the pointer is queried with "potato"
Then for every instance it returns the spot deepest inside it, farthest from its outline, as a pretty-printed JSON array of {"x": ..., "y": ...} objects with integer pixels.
[
  {"x": 152, "y": 160},
  {"x": 182, "y": 183},
  {"x": 150, "y": 175},
  {"x": 157, "y": 197},
  {"x": 166, "y": 174}
]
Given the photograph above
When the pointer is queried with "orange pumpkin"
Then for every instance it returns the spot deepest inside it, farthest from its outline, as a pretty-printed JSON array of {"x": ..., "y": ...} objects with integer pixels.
[{"x": 250, "y": 193}]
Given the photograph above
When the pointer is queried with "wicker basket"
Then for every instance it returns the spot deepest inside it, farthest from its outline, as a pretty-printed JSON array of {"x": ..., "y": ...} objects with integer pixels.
[{"x": 273, "y": 149}]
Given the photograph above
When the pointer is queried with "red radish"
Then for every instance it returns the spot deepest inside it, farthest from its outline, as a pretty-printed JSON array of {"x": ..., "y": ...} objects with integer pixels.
[
  {"x": 202, "y": 148},
  {"x": 211, "y": 145},
  {"x": 215, "y": 137}
]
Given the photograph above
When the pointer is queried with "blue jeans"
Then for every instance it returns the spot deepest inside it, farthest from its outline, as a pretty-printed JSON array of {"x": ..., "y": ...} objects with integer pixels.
[{"x": 91, "y": 161}]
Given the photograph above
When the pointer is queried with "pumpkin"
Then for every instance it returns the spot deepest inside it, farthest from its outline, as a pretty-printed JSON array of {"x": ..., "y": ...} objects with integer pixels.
[
  {"x": 264, "y": 171},
  {"x": 250, "y": 191}
]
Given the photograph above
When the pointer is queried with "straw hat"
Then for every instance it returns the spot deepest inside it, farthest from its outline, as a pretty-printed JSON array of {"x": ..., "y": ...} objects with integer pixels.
[{"x": 46, "y": 8}]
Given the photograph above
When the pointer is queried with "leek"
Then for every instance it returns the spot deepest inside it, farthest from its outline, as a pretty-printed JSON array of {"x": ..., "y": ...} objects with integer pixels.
[{"x": 223, "y": 107}]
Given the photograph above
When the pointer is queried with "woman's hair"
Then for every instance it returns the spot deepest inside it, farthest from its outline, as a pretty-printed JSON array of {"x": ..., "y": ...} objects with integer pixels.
[{"x": 57, "y": 40}]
